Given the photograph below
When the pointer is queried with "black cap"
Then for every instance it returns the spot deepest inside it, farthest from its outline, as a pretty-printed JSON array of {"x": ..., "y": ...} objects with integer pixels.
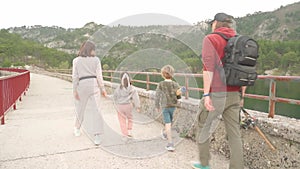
[{"x": 222, "y": 17}]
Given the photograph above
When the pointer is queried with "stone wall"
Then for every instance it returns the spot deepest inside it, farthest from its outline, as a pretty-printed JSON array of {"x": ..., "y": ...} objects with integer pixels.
[{"x": 282, "y": 132}]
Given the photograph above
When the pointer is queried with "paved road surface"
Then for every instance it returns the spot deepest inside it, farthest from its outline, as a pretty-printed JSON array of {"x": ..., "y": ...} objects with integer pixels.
[{"x": 39, "y": 135}]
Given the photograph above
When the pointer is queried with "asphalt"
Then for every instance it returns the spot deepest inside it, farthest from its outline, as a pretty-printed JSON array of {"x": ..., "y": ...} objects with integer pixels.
[{"x": 39, "y": 134}]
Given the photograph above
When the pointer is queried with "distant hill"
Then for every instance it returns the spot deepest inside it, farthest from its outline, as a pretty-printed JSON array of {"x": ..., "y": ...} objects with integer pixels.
[
  {"x": 67, "y": 40},
  {"x": 281, "y": 24}
]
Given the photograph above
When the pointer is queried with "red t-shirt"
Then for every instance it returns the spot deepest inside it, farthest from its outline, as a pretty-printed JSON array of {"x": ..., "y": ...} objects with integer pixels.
[{"x": 212, "y": 53}]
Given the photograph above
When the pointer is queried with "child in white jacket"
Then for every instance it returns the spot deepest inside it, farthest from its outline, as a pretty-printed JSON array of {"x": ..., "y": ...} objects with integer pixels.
[{"x": 126, "y": 98}]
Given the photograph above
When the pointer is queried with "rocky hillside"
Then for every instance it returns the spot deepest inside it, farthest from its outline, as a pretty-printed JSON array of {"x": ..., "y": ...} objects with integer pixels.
[
  {"x": 67, "y": 40},
  {"x": 281, "y": 24}
]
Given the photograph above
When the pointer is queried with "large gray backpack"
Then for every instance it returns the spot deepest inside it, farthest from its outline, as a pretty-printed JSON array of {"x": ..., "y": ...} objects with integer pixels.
[{"x": 239, "y": 62}]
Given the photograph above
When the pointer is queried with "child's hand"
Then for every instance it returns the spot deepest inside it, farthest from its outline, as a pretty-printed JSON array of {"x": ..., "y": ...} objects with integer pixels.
[
  {"x": 178, "y": 92},
  {"x": 104, "y": 93},
  {"x": 138, "y": 110},
  {"x": 158, "y": 109}
]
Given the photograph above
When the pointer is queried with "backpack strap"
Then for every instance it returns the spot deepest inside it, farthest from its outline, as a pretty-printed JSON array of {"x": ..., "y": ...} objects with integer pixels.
[
  {"x": 222, "y": 35},
  {"x": 225, "y": 38}
]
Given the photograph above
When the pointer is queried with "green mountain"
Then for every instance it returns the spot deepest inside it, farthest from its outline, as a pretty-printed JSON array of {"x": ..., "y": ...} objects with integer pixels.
[{"x": 16, "y": 51}]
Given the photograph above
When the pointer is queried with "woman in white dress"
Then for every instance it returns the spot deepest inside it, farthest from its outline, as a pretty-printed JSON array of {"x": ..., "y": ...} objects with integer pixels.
[{"x": 88, "y": 83}]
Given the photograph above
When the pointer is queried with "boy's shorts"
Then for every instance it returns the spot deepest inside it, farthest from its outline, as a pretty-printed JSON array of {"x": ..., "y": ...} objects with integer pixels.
[{"x": 168, "y": 114}]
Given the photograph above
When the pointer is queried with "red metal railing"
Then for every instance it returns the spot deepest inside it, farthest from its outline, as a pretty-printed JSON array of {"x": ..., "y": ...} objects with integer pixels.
[
  {"x": 12, "y": 88},
  {"x": 272, "y": 98},
  {"x": 272, "y": 89}
]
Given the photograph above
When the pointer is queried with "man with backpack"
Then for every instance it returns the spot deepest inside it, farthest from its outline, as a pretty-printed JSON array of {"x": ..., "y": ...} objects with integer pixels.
[{"x": 219, "y": 98}]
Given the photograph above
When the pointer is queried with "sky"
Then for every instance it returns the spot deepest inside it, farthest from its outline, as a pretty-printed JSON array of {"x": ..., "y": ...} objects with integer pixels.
[{"x": 76, "y": 13}]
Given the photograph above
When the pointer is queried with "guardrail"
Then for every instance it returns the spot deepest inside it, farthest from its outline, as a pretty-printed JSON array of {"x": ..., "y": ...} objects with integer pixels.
[
  {"x": 272, "y": 98},
  {"x": 12, "y": 88}
]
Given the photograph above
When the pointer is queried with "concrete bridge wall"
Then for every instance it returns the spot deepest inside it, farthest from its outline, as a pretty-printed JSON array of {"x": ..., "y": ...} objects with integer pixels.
[{"x": 6, "y": 73}]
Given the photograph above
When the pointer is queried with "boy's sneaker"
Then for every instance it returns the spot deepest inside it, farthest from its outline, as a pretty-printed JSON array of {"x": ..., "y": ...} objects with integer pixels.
[
  {"x": 163, "y": 135},
  {"x": 170, "y": 147},
  {"x": 76, "y": 132},
  {"x": 97, "y": 139},
  {"x": 197, "y": 165}
]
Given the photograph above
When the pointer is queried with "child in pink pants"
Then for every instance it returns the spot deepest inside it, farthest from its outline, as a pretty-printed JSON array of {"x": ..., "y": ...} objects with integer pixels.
[{"x": 125, "y": 98}]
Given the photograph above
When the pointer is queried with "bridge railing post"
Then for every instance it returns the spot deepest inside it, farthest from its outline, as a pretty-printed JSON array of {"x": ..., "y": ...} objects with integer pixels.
[
  {"x": 272, "y": 98},
  {"x": 147, "y": 82},
  {"x": 1, "y": 104},
  {"x": 186, "y": 79},
  {"x": 111, "y": 76}
]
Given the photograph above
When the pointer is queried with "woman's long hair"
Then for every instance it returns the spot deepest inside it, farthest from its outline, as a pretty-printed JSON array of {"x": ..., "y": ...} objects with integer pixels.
[{"x": 86, "y": 49}]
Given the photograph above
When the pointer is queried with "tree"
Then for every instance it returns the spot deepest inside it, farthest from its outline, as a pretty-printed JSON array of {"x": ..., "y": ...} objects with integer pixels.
[
  {"x": 6, "y": 63},
  {"x": 64, "y": 65},
  {"x": 194, "y": 64},
  {"x": 271, "y": 60},
  {"x": 289, "y": 60}
]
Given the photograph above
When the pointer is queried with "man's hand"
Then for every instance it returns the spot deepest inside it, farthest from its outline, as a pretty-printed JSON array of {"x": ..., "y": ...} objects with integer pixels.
[
  {"x": 208, "y": 104},
  {"x": 76, "y": 95},
  {"x": 242, "y": 102}
]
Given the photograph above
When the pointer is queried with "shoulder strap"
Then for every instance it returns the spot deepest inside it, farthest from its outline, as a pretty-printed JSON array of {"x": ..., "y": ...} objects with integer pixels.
[
  {"x": 222, "y": 35},
  {"x": 225, "y": 38}
]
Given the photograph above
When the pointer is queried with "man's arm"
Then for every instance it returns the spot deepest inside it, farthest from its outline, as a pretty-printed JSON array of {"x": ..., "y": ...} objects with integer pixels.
[
  {"x": 207, "y": 79},
  {"x": 243, "y": 91}
]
